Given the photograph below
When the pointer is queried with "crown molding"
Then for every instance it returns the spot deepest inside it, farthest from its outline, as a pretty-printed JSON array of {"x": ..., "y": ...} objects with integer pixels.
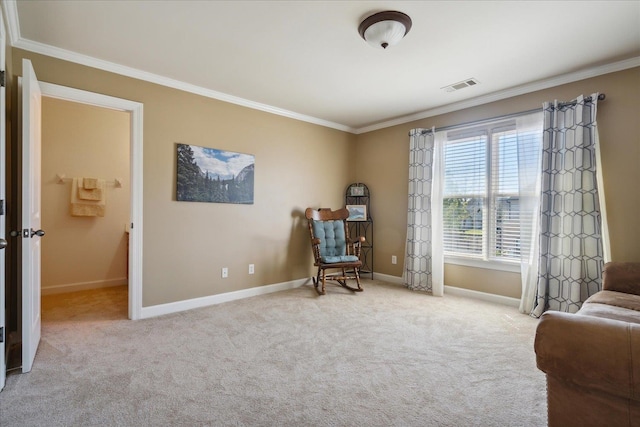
[
  {"x": 10, "y": 9},
  {"x": 77, "y": 58},
  {"x": 507, "y": 93}
]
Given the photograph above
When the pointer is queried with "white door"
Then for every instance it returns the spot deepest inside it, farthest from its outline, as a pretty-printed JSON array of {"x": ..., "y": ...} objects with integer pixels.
[
  {"x": 31, "y": 232},
  {"x": 3, "y": 242}
]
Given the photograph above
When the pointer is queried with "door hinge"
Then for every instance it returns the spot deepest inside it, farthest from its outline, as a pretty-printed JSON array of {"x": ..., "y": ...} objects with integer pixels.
[
  {"x": 2, "y": 334},
  {"x": 2, "y": 207},
  {"x": 2, "y": 78}
]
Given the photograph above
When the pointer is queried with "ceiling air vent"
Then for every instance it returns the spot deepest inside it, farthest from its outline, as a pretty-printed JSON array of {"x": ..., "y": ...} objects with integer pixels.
[{"x": 461, "y": 85}]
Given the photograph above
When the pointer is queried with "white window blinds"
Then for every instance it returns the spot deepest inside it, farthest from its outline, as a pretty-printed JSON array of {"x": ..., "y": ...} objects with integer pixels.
[{"x": 481, "y": 199}]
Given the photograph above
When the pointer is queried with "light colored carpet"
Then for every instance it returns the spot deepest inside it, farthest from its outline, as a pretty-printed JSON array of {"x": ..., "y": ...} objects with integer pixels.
[{"x": 383, "y": 357}]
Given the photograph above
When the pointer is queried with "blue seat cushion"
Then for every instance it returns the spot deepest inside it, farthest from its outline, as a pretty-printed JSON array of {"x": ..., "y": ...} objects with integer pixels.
[{"x": 336, "y": 259}]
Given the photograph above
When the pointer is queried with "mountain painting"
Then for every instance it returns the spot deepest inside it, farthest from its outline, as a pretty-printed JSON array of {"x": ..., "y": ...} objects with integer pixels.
[{"x": 214, "y": 176}]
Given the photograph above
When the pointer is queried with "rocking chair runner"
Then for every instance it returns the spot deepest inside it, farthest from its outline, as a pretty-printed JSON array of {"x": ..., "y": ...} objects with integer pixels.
[{"x": 332, "y": 248}]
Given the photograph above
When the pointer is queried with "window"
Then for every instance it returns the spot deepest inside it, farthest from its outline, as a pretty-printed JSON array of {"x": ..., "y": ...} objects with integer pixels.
[{"x": 481, "y": 195}]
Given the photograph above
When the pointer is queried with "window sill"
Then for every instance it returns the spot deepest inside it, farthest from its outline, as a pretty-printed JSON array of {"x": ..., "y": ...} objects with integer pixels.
[{"x": 513, "y": 267}]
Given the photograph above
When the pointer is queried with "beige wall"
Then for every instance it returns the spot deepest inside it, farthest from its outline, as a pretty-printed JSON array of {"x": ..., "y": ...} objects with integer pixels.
[
  {"x": 298, "y": 165},
  {"x": 185, "y": 245},
  {"x": 79, "y": 140},
  {"x": 383, "y": 158}
]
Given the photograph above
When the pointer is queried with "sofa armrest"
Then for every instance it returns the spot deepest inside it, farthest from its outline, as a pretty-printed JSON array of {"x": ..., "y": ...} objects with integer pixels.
[
  {"x": 592, "y": 352},
  {"x": 622, "y": 277}
]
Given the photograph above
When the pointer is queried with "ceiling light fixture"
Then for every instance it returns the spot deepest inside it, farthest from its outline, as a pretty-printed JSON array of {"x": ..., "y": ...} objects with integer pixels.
[{"x": 385, "y": 28}]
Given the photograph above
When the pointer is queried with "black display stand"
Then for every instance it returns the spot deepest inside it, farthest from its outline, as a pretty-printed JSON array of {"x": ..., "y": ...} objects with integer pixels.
[{"x": 357, "y": 194}]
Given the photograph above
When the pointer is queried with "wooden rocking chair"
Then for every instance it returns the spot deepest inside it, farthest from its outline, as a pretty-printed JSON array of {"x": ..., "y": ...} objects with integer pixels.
[{"x": 333, "y": 249}]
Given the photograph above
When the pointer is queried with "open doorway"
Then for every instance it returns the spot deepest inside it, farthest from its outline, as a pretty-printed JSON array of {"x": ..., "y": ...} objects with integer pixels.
[
  {"x": 134, "y": 110},
  {"x": 29, "y": 264},
  {"x": 85, "y": 191}
]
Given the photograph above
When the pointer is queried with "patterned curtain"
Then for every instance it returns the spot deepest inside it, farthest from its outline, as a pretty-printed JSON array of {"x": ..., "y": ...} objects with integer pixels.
[
  {"x": 571, "y": 227},
  {"x": 424, "y": 260}
]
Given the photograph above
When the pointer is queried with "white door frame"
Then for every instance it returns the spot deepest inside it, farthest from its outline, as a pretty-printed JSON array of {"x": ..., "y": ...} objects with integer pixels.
[
  {"x": 135, "y": 235},
  {"x": 3, "y": 225}
]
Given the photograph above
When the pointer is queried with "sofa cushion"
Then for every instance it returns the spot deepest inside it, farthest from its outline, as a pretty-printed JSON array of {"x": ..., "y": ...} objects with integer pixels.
[
  {"x": 622, "y": 277},
  {"x": 613, "y": 305},
  {"x": 619, "y": 299}
]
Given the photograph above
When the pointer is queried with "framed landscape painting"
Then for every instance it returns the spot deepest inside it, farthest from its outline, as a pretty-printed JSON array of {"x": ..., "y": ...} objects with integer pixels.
[{"x": 214, "y": 176}]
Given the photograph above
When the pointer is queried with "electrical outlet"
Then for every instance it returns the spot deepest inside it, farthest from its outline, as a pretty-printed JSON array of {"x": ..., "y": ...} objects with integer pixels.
[
  {"x": 251, "y": 269},
  {"x": 394, "y": 259},
  {"x": 225, "y": 272}
]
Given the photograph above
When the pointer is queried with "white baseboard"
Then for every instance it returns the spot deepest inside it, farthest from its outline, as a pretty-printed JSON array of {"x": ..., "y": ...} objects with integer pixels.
[
  {"x": 82, "y": 286},
  {"x": 484, "y": 296},
  {"x": 388, "y": 278},
  {"x": 452, "y": 290},
  {"x": 178, "y": 306}
]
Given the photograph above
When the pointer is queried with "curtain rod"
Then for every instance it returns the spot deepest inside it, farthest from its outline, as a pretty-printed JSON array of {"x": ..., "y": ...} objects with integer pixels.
[{"x": 601, "y": 97}]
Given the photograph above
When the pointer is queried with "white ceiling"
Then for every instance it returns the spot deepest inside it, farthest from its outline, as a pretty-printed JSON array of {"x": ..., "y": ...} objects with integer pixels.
[{"x": 305, "y": 59}]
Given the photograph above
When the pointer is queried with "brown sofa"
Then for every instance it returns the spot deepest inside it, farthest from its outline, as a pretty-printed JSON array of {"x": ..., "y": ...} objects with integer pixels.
[{"x": 592, "y": 358}]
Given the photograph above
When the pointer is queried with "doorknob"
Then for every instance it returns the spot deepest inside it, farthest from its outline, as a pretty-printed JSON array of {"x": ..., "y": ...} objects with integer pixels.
[
  {"x": 3, "y": 243},
  {"x": 38, "y": 233}
]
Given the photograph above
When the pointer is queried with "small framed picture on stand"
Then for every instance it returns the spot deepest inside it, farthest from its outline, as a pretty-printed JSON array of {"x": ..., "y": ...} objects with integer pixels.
[
  {"x": 357, "y": 191},
  {"x": 357, "y": 212}
]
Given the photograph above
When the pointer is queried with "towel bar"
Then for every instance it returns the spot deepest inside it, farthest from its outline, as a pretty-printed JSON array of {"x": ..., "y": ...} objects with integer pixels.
[{"x": 62, "y": 178}]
